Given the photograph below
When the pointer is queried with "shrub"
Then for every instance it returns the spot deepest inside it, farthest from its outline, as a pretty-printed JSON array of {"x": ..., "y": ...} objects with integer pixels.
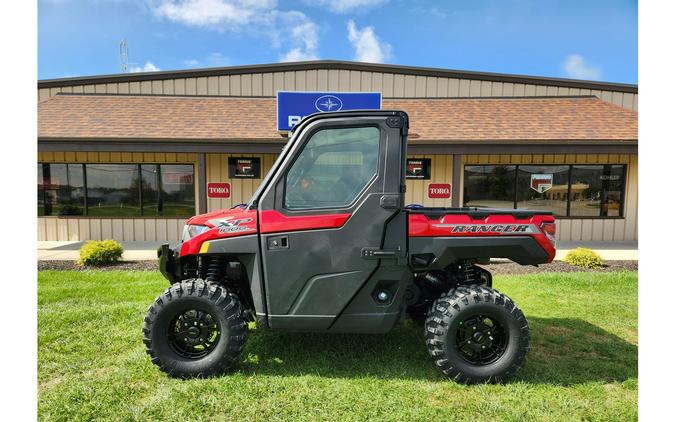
[
  {"x": 100, "y": 252},
  {"x": 584, "y": 258}
]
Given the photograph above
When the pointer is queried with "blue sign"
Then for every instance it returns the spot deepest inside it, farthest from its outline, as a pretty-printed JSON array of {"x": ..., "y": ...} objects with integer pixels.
[{"x": 293, "y": 106}]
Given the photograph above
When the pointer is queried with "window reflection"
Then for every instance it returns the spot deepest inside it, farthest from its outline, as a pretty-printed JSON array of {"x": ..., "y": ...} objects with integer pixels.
[
  {"x": 116, "y": 190},
  {"x": 60, "y": 189},
  {"x": 584, "y": 190},
  {"x": 489, "y": 186},
  {"x": 113, "y": 190},
  {"x": 598, "y": 190}
]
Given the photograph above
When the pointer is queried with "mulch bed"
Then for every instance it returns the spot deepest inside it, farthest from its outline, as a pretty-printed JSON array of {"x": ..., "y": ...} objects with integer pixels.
[
  {"x": 495, "y": 267},
  {"x": 120, "y": 266},
  {"x": 508, "y": 267}
]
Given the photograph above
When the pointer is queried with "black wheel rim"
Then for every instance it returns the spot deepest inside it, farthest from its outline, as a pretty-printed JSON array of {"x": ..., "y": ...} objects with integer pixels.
[
  {"x": 481, "y": 339},
  {"x": 194, "y": 334}
]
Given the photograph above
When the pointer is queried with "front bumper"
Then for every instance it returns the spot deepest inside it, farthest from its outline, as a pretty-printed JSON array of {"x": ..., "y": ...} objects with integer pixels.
[{"x": 169, "y": 265}]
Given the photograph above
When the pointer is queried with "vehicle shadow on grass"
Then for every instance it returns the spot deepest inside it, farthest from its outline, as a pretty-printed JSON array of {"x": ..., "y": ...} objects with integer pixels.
[{"x": 563, "y": 351}]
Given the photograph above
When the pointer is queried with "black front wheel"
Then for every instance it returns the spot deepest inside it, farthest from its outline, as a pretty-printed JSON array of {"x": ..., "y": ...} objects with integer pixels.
[
  {"x": 195, "y": 329},
  {"x": 476, "y": 334}
]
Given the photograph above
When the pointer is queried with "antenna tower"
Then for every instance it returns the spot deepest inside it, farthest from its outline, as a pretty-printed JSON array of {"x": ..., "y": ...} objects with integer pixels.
[{"x": 124, "y": 56}]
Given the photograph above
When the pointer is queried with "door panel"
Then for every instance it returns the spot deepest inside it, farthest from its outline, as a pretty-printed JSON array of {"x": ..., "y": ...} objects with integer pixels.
[
  {"x": 334, "y": 196},
  {"x": 322, "y": 252}
]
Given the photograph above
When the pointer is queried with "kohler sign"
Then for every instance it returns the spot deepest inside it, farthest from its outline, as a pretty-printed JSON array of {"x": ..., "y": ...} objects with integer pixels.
[{"x": 293, "y": 106}]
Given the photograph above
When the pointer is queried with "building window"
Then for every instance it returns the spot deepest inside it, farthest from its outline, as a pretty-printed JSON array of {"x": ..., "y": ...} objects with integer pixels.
[
  {"x": 112, "y": 190},
  {"x": 60, "y": 189},
  {"x": 333, "y": 168},
  {"x": 597, "y": 190},
  {"x": 116, "y": 190},
  {"x": 489, "y": 186},
  {"x": 177, "y": 197},
  {"x": 565, "y": 190},
  {"x": 150, "y": 189}
]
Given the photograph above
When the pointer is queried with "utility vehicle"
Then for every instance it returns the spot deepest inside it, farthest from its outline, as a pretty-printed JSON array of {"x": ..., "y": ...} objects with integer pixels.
[{"x": 326, "y": 245}]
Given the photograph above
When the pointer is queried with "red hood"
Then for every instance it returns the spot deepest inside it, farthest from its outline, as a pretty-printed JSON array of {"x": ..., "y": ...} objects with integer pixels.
[
  {"x": 238, "y": 221},
  {"x": 234, "y": 213}
]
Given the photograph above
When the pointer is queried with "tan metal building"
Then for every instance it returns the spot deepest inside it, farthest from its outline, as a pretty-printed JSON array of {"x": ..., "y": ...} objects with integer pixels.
[{"x": 130, "y": 156}]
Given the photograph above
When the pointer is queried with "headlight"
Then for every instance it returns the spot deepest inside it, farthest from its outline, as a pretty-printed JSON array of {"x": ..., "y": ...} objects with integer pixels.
[{"x": 192, "y": 230}]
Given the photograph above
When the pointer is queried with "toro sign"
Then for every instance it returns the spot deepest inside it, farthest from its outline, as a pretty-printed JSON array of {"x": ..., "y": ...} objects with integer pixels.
[
  {"x": 439, "y": 190},
  {"x": 218, "y": 190}
]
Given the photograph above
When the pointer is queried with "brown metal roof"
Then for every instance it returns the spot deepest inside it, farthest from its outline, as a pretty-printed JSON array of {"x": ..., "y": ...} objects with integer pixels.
[{"x": 137, "y": 117}]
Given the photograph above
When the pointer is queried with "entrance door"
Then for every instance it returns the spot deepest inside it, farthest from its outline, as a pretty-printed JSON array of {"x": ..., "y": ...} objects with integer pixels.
[{"x": 331, "y": 220}]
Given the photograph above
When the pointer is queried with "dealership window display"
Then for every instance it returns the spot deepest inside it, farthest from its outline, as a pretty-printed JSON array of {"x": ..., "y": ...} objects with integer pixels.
[
  {"x": 552, "y": 197},
  {"x": 116, "y": 190},
  {"x": 567, "y": 190}
]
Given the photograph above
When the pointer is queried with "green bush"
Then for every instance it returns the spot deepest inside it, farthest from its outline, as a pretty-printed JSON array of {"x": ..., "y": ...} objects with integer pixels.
[
  {"x": 100, "y": 252},
  {"x": 584, "y": 258}
]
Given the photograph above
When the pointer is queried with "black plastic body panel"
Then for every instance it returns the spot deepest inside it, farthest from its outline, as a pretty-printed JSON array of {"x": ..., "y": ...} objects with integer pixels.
[
  {"x": 247, "y": 250},
  {"x": 521, "y": 249},
  {"x": 168, "y": 264}
]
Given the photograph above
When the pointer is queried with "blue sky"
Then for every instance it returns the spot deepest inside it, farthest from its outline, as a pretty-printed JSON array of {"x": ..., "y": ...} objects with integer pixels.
[{"x": 594, "y": 40}]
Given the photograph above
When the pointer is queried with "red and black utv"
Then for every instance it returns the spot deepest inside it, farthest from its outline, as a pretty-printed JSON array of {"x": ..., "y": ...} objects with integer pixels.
[{"x": 326, "y": 245}]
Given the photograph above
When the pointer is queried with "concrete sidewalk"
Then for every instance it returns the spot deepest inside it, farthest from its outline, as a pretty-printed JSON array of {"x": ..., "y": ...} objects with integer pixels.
[
  {"x": 142, "y": 251},
  {"x": 609, "y": 251},
  {"x": 70, "y": 251}
]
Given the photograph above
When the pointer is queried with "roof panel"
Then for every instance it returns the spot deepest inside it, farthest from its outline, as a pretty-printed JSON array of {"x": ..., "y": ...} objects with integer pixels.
[
  {"x": 145, "y": 117},
  {"x": 339, "y": 65}
]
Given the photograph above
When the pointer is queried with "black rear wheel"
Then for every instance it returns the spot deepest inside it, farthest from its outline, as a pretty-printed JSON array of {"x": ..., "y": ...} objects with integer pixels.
[
  {"x": 476, "y": 334},
  {"x": 195, "y": 329}
]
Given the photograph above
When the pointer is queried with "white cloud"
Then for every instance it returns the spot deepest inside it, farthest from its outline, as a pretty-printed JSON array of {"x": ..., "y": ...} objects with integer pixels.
[
  {"x": 368, "y": 47},
  {"x": 576, "y": 67},
  {"x": 217, "y": 59},
  {"x": 191, "y": 62},
  {"x": 147, "y": 67},
  {"x": 347, "y": 6},
  {"x": 300, "y": 33},
  {"x": 211, "y": 12},
  {"x": 297, "y": 55},
  {"x": 211, "y": 60},
  {"x": 291, "y": 29}
]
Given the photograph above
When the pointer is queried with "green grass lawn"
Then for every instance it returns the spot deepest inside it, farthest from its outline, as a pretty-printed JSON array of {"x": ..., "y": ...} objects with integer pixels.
[{"x": 92, "y": 363}]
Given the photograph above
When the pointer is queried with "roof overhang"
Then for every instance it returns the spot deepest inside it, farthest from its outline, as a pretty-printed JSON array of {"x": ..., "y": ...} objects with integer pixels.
[{"x": 274, "y": 147}]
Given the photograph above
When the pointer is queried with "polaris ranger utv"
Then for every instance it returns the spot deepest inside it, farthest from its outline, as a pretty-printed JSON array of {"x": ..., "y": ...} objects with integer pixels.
[{"x": 326, "y": 245}]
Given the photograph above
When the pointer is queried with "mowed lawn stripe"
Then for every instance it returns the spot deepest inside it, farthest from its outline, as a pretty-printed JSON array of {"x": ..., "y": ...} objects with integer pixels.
[{"x": 92, "y": 364}]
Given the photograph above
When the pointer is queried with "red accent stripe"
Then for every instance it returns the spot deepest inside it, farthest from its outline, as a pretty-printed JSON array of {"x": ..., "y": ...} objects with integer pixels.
[{"x": 272, "y": 221}]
